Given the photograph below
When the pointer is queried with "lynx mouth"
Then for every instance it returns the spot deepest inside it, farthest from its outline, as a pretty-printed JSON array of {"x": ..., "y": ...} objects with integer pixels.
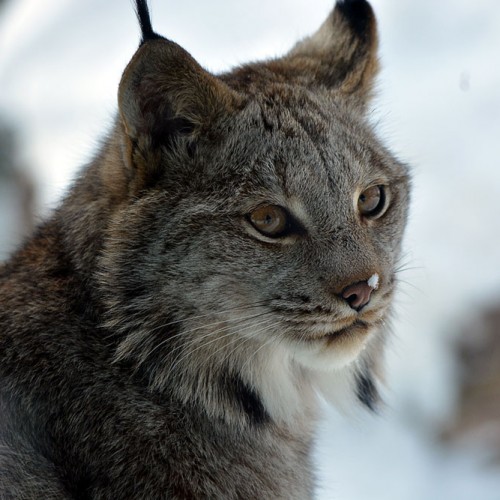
[
  {"x": 330, "y": 333},
  {"x": 336, "y": 330},
  {"x": 327, "y": 347}
]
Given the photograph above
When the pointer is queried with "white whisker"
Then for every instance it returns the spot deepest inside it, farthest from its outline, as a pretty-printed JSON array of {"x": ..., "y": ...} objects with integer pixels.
[
  {"x": 184, "y": 333},
  {"x": 212, "y": 313},
  {"x": 251, "y": 337},
  {"x": 266, "y": 343},
  {"x": 204, "y": 345}
]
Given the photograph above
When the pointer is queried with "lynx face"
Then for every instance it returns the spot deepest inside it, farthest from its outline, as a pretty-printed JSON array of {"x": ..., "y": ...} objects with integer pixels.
[{"x": 262, "y": 219}]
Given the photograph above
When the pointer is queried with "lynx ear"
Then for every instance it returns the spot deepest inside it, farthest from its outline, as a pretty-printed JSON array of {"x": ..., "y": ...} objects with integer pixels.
[
  {"x": 165, "y": 99},
  {"x": 342, "y": 54},
  {"x": 164, "y": 93}
]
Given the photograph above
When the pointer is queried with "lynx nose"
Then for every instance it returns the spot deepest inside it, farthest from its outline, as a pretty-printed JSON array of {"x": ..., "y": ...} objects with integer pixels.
[{"x": 358, "y": 295}]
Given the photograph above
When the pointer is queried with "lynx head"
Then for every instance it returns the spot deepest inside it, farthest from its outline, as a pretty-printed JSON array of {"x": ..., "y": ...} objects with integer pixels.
[{"x": 258, "y": 222}]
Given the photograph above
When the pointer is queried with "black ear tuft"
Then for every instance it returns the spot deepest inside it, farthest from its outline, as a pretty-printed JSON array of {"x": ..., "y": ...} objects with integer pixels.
[
  {"x": 367, "y": 392},
  {"x": 145, "y": 21},
  {"x": 358, "y": 14}
]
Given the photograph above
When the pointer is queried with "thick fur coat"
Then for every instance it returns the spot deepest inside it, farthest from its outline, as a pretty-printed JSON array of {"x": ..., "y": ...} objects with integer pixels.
[{"x": 230, "y": 252}]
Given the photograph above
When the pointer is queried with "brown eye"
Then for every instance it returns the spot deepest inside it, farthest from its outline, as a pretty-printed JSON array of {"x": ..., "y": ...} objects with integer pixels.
[
  {"x": 270, "y": 220},
  {"x": 371, "y": 202}
]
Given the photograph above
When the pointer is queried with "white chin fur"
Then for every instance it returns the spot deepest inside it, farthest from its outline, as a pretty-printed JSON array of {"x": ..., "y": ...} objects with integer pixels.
[
  {"x": 320, "y": 356},
  {"x": 289, "y": 377}
]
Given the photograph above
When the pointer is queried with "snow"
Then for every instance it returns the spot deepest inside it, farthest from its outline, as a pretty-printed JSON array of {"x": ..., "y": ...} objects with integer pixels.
[{"x": 437, "y": 108}]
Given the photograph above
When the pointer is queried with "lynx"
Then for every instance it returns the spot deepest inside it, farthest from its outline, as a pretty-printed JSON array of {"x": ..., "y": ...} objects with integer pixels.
[{"x": 228, "y": 257}]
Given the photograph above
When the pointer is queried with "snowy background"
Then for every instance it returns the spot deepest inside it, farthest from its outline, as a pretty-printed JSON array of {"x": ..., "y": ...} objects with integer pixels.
[{"x": 438, "y": 108}]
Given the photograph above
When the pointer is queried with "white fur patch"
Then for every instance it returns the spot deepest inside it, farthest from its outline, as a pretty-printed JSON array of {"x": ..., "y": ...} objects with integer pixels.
[
  {"x": 338, "y": 388},
  {"x": 373, "y": 282},
  {"x": 320, "y": 356},
  {"x": 288, "y": 376},
  {"x": 279, "y": 382}
]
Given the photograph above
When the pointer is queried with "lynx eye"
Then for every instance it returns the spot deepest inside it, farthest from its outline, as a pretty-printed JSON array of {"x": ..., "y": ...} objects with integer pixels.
[
  {"x": 371, "y": 201},
  {"x": 270, "y": 220}
]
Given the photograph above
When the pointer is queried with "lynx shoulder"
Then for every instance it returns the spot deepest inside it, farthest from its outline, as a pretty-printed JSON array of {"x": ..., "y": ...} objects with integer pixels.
[{"x": 230, "y": 252}]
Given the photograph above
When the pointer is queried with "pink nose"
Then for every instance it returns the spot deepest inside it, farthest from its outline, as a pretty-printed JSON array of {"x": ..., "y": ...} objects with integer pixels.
[{"x": 358, "y": 295}]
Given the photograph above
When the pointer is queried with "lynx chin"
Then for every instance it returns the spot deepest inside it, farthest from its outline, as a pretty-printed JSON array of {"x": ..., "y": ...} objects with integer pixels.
[{"x": 230, "y": 254}]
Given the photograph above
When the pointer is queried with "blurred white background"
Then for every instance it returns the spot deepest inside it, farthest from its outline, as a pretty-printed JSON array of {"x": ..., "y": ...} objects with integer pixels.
[{"x": 438, "y": 107}]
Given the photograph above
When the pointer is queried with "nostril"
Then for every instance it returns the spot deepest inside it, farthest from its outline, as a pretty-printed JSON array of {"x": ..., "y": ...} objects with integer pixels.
[{"x": 357, "y": 295}]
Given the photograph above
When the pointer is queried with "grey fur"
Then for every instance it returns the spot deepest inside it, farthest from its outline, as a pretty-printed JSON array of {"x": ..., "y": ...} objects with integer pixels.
[{"x": 153, "y": 343}]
